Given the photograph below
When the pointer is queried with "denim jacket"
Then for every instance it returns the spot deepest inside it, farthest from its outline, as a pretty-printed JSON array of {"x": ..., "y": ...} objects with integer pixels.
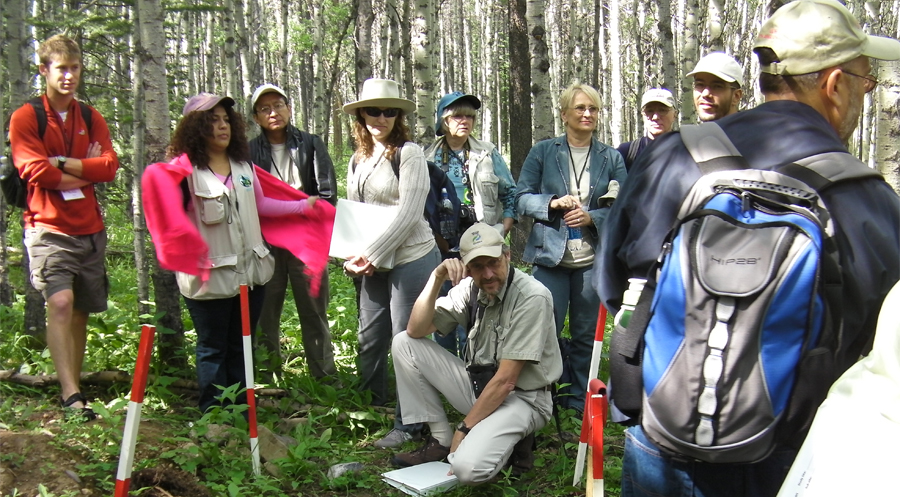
[{"x": 544, "y": 177}]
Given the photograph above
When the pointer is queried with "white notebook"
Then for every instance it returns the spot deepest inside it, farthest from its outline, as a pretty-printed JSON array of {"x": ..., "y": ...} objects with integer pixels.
[
  {"x": 424, "y": 479},
  {"x": 356, "y": 226}
]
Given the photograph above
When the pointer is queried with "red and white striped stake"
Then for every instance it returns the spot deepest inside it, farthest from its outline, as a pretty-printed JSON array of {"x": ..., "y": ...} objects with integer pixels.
[
  {"x": 595, "y": 418},
  {"x": 248, "y": 374},
  {"x": 133, "y": 417},
  {"x": 592, "y": 374}
]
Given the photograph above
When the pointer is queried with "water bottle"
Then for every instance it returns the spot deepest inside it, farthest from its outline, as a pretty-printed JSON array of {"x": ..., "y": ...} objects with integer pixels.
[
  {"x": 574, "y": 233},
  {"x": 629, "y": 301},
  {"x": 446, "y": 215}
]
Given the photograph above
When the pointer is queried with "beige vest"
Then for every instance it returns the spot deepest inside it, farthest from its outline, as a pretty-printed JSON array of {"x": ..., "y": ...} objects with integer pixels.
[
  {"x": 485, "y": 184},
  {"x": 227, "y": 219}
]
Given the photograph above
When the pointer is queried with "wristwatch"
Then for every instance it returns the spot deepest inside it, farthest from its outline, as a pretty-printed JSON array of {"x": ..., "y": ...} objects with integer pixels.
[
  {"x": 463, "y": 428},
  {"x": 61, "y": 163}
]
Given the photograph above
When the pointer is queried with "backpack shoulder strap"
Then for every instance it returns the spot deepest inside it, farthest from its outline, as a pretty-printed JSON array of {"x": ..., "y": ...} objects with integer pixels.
[
  {"x": 395, "y": 162},
  {"x": 40, "y": 114},
  {"x": 632, "y": 151},
  {"x": 86, "y": 114},
  {"x": 711, "y": 148},
  {"x": 353, "y": 163},
  {"x": 823, "y": 170}
]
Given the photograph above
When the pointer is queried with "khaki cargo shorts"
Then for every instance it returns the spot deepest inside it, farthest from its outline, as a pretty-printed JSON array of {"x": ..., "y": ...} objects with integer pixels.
[{"x": 66, "y": 262}]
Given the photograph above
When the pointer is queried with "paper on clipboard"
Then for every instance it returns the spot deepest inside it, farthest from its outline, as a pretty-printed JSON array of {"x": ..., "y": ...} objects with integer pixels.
[{"x": 356, "y": 226}]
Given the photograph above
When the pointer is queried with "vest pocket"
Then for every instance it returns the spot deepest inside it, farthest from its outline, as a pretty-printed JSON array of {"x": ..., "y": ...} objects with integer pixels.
[{"x": 212, "y": 209}]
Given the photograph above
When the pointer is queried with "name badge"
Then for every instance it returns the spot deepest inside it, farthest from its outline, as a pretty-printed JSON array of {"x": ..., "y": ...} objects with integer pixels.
[{"x": 73, "y": 194}]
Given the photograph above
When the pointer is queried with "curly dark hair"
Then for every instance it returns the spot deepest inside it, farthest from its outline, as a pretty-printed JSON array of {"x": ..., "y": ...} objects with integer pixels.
[
  {"x": 365, "y": 143},
  {"x": 194, "y": 127}
]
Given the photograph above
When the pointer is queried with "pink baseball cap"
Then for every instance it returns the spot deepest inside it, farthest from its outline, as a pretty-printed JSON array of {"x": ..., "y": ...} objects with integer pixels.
[{"x": 205, "y": 101}]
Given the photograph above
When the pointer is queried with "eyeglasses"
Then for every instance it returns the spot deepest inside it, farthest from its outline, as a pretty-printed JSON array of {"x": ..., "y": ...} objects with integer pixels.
[
  {"x": 461, "y": 118},
  {"x": 869, "y": 80},
  {"x": 582, "y": 109},
  {"x": 715, "y": 86},
  {"x": 278, "y": 107},
  {"x": 376, "y": 112}
]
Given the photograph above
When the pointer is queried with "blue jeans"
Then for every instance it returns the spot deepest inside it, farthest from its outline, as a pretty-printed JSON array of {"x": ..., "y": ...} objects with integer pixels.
[
  {"x": 455, "y": 341},
  {"x": 572, "y": 291},
  {"x": 220, "y": 344},
  {"x": 646, "y": 472},
  {"x": 385, "y": 302}
]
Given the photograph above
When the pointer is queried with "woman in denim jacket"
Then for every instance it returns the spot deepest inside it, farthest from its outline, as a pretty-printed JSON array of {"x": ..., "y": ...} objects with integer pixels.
[{"x": 567, "y": 185}]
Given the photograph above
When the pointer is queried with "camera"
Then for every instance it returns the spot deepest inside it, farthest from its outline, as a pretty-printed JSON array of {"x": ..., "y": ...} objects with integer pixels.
[{"x": 480, "y": 375}]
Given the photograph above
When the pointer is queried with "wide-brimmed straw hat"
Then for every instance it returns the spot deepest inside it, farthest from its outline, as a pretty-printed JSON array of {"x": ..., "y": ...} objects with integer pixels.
[{"x": 380, "y": 93}]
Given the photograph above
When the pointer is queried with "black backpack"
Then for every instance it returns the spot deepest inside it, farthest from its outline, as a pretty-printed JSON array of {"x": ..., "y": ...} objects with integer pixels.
[
  {"x": 15, "y": 190},
  {"x": 439, "y": 181}
]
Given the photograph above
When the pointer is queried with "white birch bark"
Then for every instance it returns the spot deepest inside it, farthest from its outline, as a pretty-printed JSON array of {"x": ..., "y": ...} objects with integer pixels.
[{"x": 542, "y": 101}]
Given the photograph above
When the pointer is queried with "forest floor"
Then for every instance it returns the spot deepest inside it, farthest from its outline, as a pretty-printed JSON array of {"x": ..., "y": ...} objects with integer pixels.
[{"x": 42, "y": 453}]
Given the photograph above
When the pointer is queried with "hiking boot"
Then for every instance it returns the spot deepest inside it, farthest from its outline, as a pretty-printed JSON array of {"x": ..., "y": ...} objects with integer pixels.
[
  {"x": 521, "y": 460},
  {"x": 430, "y": 452},
  {"x": 395, "y": 438}
]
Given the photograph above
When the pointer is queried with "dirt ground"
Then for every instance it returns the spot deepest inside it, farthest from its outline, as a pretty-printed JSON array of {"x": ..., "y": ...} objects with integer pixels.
[{"x": 29, "y": 459}]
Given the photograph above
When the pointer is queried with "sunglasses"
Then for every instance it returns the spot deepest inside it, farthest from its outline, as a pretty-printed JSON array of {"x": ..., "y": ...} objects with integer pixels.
[{"x": 376, "y": 112}]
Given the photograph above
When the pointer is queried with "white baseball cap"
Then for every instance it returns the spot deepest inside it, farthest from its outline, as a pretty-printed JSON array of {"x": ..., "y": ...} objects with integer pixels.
[{"x": 722, "y": 66}]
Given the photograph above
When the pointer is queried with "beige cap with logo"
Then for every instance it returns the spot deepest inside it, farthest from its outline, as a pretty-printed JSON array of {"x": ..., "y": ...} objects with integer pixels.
[
  {"x": 660, "y": 95},
  {"x": 811, "y": 35},
  {"x": 479, "y": 240}
]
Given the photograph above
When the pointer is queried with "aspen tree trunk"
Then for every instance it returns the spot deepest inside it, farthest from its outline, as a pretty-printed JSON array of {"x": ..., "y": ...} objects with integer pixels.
[
  {"x": 540, "y": 71},
  {"x": 18, "y": 52},
  {"x": 520, "y": 136},
  {"x": 488, "y": 61},
  {"x": 615, "y": 88},
  {"x": 406, "y": 77},
  {"x": 603, "y": 77},
  {"x": 887, "y": 148},
  {"x": 244, "y": 49},
  {"x": 137, "y": 217},
  {"x": 715, "y": 11},
  {"x": 320, "y": 108},
  {"x": 282, "y": 70},
  {"x": 154, "y": 99},
  {"x": 230, "y": 50},
  {"x": 689, "y": 56},
  {"x": 422, "y": 73},
  {"x": 596, "y": 44},
  {"x": 365, "y": 18},
  {"x": 667, "y": 50},
  {"x": 466, "y": 45}
]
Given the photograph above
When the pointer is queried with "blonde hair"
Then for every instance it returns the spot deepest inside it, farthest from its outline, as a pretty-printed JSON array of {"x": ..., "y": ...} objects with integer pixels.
[
  {"x": 568, "y": 95},
  {"x": 458, "y": 108}
]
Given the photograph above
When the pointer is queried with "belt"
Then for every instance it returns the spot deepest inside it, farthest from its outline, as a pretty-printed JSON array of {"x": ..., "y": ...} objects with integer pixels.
[{"x": 545, "y": 388}]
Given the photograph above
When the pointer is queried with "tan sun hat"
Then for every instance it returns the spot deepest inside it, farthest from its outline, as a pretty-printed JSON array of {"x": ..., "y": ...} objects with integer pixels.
[
  {"x": 810, "y": 35},
  {"x": 660, "y": 95},
  {"x": 720, "y": 65},
  {"x": 380, "y": 93},
  {"x": 480, "y": 240},
  {"x": 262, "y": 90}
]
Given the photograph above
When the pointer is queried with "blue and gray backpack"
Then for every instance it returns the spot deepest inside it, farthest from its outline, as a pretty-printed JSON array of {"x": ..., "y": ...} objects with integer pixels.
[{"x": 732, "y": 345}]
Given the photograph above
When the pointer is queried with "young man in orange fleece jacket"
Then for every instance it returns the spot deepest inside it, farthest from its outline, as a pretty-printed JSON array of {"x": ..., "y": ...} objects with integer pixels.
[{"x": 64, "y": 231}]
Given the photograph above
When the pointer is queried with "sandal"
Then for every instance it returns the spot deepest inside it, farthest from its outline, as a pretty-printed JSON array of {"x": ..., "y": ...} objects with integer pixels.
[{"x": 85, "y": 412}]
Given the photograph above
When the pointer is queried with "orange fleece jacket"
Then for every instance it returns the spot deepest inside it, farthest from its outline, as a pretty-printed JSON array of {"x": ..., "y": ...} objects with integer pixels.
[{"x": 46, "y": 206}]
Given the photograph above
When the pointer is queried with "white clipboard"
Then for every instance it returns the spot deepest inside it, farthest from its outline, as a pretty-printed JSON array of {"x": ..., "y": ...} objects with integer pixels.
[{"x": 356, "y": 226}]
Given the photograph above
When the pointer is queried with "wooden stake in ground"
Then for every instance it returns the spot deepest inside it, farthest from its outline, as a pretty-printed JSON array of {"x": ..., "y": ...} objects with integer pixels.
[
  {"x": 248, "y": 374},
  {"x": 592, "y": 374},
  {"x": 133, "y": 418}
]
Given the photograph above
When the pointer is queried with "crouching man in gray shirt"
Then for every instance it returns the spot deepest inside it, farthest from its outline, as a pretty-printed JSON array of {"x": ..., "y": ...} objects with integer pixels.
[{"x": 502, "y": 384}]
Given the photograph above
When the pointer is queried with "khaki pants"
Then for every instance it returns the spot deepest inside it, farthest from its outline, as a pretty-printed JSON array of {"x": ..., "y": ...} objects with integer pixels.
[{"x": 425, "y": 370}]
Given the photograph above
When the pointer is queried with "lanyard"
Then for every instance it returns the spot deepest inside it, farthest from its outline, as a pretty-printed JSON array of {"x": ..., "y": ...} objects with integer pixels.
[{"x": 579, "y": 176}]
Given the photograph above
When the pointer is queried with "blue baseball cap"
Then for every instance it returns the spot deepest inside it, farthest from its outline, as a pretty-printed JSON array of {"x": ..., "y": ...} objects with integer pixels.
[{"x": 448, "y": 100}]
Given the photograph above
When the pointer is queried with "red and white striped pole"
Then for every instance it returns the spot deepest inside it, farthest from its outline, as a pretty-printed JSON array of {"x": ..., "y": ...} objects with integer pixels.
[
  {"x": 592, "y": 374},
  {"x": 248, "y": 375},
  {"x": 133, "y": 417},
  {"x": 595, "y": 418}
]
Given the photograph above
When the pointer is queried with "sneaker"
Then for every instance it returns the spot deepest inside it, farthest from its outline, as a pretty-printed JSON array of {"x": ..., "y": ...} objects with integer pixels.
[
  {"x": 395, "y": 438},
  {"x": 521, "y": 460},
  {"x": 431, "y": 451}
]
